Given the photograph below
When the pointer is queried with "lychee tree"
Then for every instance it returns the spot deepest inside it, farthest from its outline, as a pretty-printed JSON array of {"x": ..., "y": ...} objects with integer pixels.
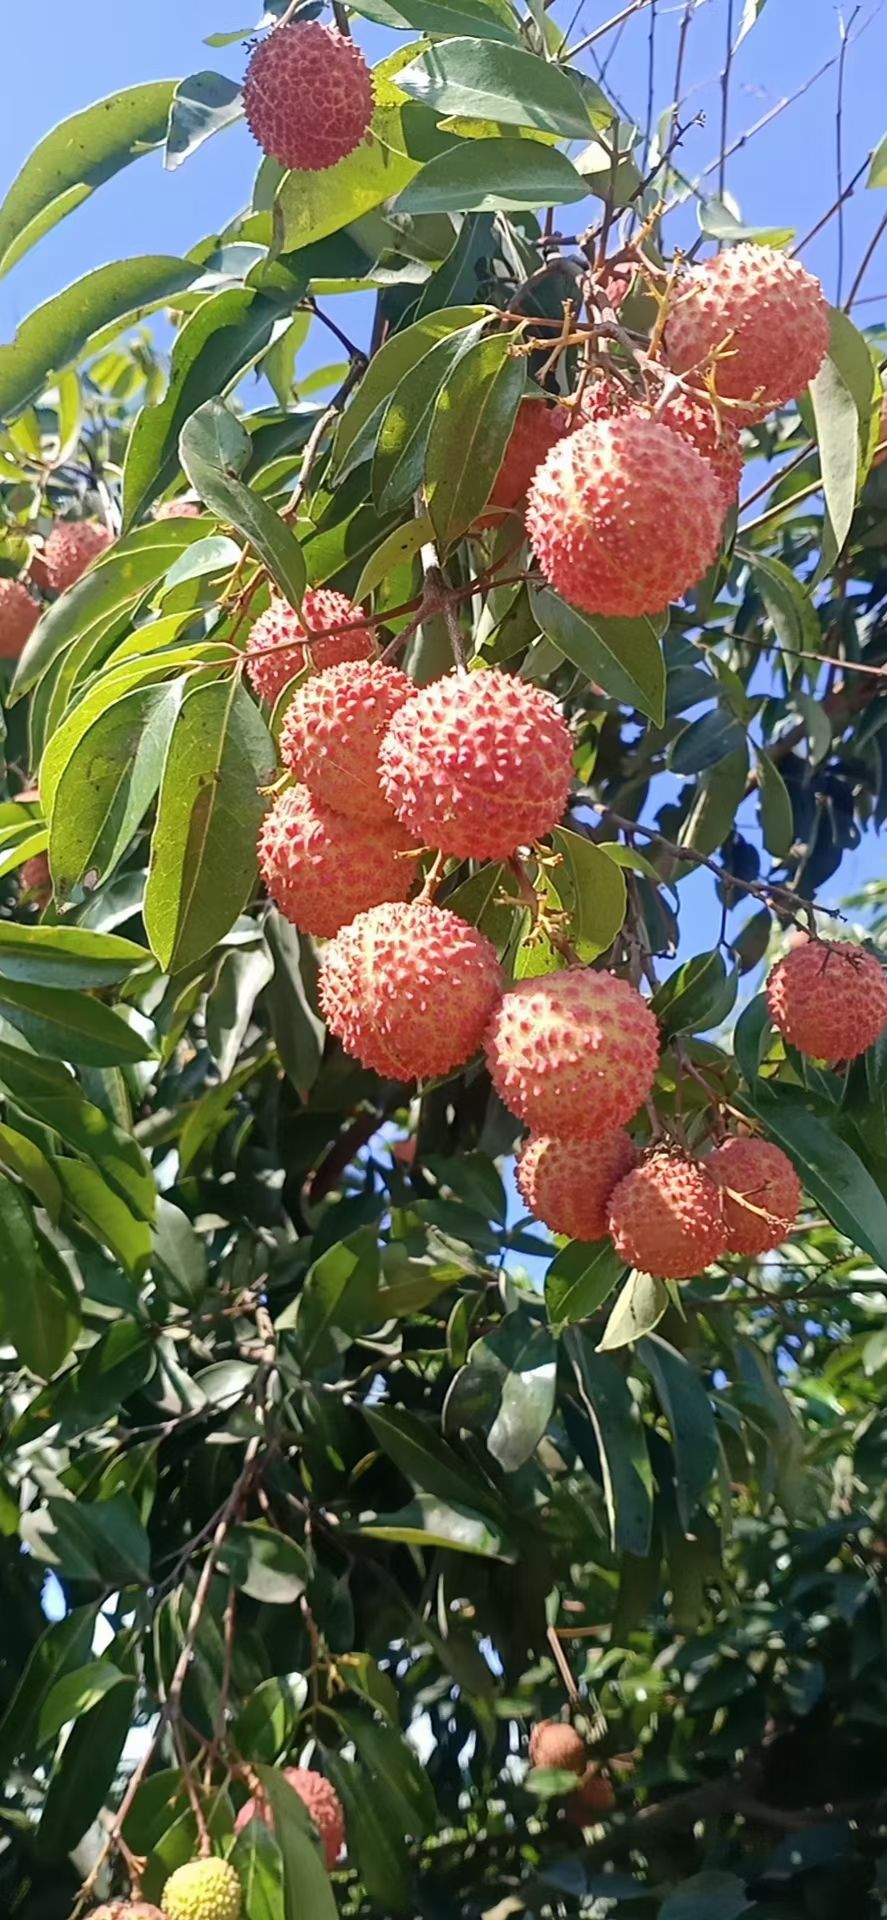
[{"x": 521, "y": 1521}]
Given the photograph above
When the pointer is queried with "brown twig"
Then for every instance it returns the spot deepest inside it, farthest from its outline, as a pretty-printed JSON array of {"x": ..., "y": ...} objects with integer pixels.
[
  {"x": 865, "y": 263},
  {"x": 725, "y": 102}
]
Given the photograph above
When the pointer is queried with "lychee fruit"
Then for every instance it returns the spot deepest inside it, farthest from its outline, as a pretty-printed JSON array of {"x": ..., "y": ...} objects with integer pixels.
[
  {"x": 125, "y": 1910},
  {"x": 573, "y": 1054},
  {"x": 593, "y": 1797},
  {"x": 282, "y": 644},
  {"x": 554, "y": 1744},
  {"x": 19, "y": 615},
  {"x": 333, "y": 729},
  {"x": 36, "y": 880},
  {"x": 203, "y": 1890},
  {"x": 323, "y": 867},
  {"x": 178, "y": 510},
  {"x": 72, "y": 546},
  {"x": 567, "y": 1183},
  {"x": 829, "y": 999},
  {"x": 624, "y": 515},
  {"x": 768, "y": 313},
  {"x": 308, "y": 96},
  {"x": 323, "y": 1804},
  {"x": 478, "y": 764},
  {"x": 409, "y": 989},
  {"x": 695, "y": 420},
  {"x": 536, "y": 428},
  {"x": 667, "y": 1217},
  {"x": 761, "y": 1193}
]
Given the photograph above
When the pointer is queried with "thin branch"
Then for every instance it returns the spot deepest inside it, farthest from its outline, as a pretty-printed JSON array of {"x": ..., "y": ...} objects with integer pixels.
[
  {"x": 847, "y": 194},
  {"x": 689, "y": 11},
  {"x": 839, "y": 145},
  {"x": 725, "y": 102},
  {"x": 651, "y": 80},
  {"x": 782, "y": 898},
  {"x": 864, "y": 265},
  {"x": 636, "y": 6}
]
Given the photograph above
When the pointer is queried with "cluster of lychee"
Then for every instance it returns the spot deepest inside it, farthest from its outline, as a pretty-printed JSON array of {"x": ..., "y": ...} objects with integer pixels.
[
  {"x": 69, "y": 549},
  {"x": 556, "y": 1745}
]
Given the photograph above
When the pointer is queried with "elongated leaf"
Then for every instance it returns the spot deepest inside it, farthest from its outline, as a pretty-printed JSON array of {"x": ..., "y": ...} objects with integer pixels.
[
  {"x": 591, "y": 889},
  {"x": 622, "y": 656},
  {"x": 843, "y": 395},
  {"x": 85, "y": 1771},
  {"x": 777, "y": 817},
  {"x": 265, "y": 1564},
  {"x": 375, "y": 1848},
  {"x": 54, "y": 334},
  {"x": 74, "y": 1694},
  {"x": 430, "y": 1522},
  {"x": 698, "y": 995},
  {"x": 480, "y": 80},
  {"x": 426, "y": 1461},
  {"x": 48, "y": 1092},
  {"x": 705, "y": 741},
  {"x": 305, "y": 1879},
  {"x": 519, "y": 1363},
  {"x": 398, "y": 547},
  {"x": 66, "y": 956},
  {"x": 398, "y": 1774},
  {"x": 639, "y": 1309},
  {"x": 25, "y": 1159},
  {"x": 108, "y": 784},
  {"x": 687, "y": 1408},
  {"x": 493, "y": 22},
  {"x": 790, "y": 609},
  {"x": 71, "y": 1026},
  {"x": 258, "y": 1863},
  {"x": 357, "y": 429},
  {"x": 340, "y": 1295},
  {"x": 581, "y": 1277},
  {"x": 405, "y": 426},
  {"x": 493, "y": 176},
  {"x": 39, "y": 1308},
  {"x": 215, "y": 449},
  {"x": 832, "y": 1173},
  {"x": 63, "y": 1646},
  {"x": 106, "y": 1215},
  {"x": 628, "y": 1481},
  {"x": 202, "y": 105},
  {"x": 473, "y": 418}
]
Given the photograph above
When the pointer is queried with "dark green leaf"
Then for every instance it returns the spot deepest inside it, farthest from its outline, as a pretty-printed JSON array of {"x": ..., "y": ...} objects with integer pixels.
[
  {"x": 777, "y": 818},
  {"x": 705, "y": 741},
  {"x": 71, "y": 1026},
  {"x": 356, "y": 434},
  {"x": 493, "y": 175},
  {"x": 401, "y": 1782},
  {"x": 622, "y": 656},
  {"x": 619, "y": 1431},
  {"x": 698, "y": 995},
  {"x": 832, "y": 1173},
  {"x": 265, "y": 1564},
  {"x": 306, "y": 1882},
  {"x": 687, "y": 1408},
  {"x": 406, "y": 421},
  {"x": 473, "y": 418},
  {"x": 482, "y": 80},
  {"x": 581, "y": 1277},
  {"x": 66, "y": 956},
  {"x": 85, "y": 1770},
  {"x": 50, "y": 1094},
  {"x": 591, "y": 889},
  {"x": 214, "y": 450},
  {"x": 340, "y": 1295},
  {"x": 202, "y": 105}
]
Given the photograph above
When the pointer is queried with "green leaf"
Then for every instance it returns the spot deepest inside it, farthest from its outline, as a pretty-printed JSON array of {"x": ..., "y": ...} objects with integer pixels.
[
  {"x": 790, "y": 609},
  {"x": 84, "y": 1772},
  {"x": 265, "y": 1564},
  {"x": 50, "y": 1094},
  {"x": 66, "y": 956},
  {"x": 54, "y": 334},
  {"x": 698, "y": 995},
  {"x": 74, "y": 1694},
  {"x": 481, "y": 80},
  {"x": 202, "y": 105},
  {"x": 106, "y": 1215},
  {"x": 619, "y": 1431},
  {"x": 296, "y": 1025},
  {"x": 214, "y": 450},
  {"x": 108, "y": 784},
  {"x": 180, "y": 1252},
  {"x": 305, "y": 1879},
  {"x": 639, "y": 1309},
  {"x": 96, "y": 1540},
  {"x": 310, "y": 206},
  {"x": 62, "y": 1647},
  {"x": 878, "y": 170},
  {"x": 622, "y": 656},
  {"x": 258, "y": 1864},
  {"x": 71, "y": 1026},
  {"x": 203, "y": 851},
  {"x": 376, "y": 1851},
  {"x": 400, "y": 1781},
  {"x": 719, "y": 795},
  {"x": 710, "y": 1895},
  {"x": 78, "y": 156},
  {"x": 777, "y": 817},
  {"x": 430, "y": 1522},
  {"x": 359, "y": 425},
  {"x": 843, "y": 395},
  {"x": 591, "y": 889},
  {"x": 25, "y": 1159},
  {"x": 405, "y": 427},
  {"x": 39, "y": 1307},
  {"x": 832, "y": 1173},
  {"x": 494, "y": 176},
  {"x": 424, "y": 1458},
  {"x": 340, "y": 1295},
  {"x": 581, "y": 1277},
  {"x": 267, "y": 1725},
  {"x": 486, "y": 22},
  {"x": 687, "y": 1409},
  {"x": 396, "y": 549},
  {"x": 473, "y": 417},
  {"x": 229, "y": 1010},
  {"x": 518, "y": 1362},
  {"x": 705, "y": 742}
]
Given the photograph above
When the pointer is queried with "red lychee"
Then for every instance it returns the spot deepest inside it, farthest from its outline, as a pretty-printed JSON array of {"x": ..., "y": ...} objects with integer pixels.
[
  {"x": 308, "y": 96},
  {"x": 125, "y": 1910},
  {"x": 554, "y": 1744},
  {"x": 323, "y": 867},
  {"x": 695, "y": 420},
  {"x": 36, "y": 880},
  {"x": 573, "y": 1054},
  {"x": 19, "y": 615},
  {"x": 624, "y": 515},
  {"x": 762, "y": 1193},
  {"x": 478, "y": 764},
  {"x": 593, "y": 1797},
  {"x": 282, "y": 642},
  {"x": 768, "y": 312},
  {"x": 333, "y": 729},
  {"x": 567, "y": 1183},
  {"x": 829, "y": 999},
  {"x": 667, "y": 1218},
  {"x": 177, "y": 510},
  {"x": 409, "y": 989},
  {"x": 323, "y": 1804},
  {"x": 536, "y": 428},
  {"x": 72, "y": 546}
]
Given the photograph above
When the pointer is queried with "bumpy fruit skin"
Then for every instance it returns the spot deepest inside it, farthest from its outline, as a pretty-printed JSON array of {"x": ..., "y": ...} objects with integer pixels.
[
  {"x": 772, "y": 311},
  {"x": 35, "y": 879},
  {"x": 270, "y": 671},
  {"x": 624, "y": 515},
  {"x": 409, "y": 989},
  {"x": 536, "y": 429},
  {"x": 19, "y": 615},
  {"x": 203, "y": 1890},
  {"x": 695, "y": 421},
  {"x": 567, "y": 1183},
  {"x": 71, "y": 547},
  {"x": 756, "y": 1172},
  {"x": 333, "y": 729},
  {"x": 177, "y": 510},
  {"x": 667, "y": 1217},
  {"x": 323, "y": 867},
  {"x": 478, "y": 764},
  {"x": 573, "y": 1054},
  {"x": 308, "y": 96},
  {"x": 322, "y": 1801},
  {"x": 829, "y": 999},
  {"x": 126, "y": 1910},
  {"x": 553, "y": 1744}
]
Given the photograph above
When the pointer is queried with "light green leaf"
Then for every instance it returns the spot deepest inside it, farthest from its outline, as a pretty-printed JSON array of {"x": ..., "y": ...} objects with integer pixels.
[
  {"x": 619, "y": 1431},
  {"x": 493, "y": 176},
  {"x": 430, "y": 1522},
  {"x": 48, "y": 1092},
  {"x": 395, "y": 550},
  {"x": 214, "y": 450},
  {"x": 108, "y": 784},
  {"x": 340, "y": 1295},
  {"x": 482, "y": 80},
  {"x": 105, "y": 1215},
  {"x": 777, "y": 817},
  {"x": 39, "y": 1307},
  {"x": 639, "y": 1309},
  {"x": 591, "y": 889},
  {"x": 878, "y": 170},
  {"x": 405, "y": 426},
  {"x": 265, "y": 1563},
  {"x": 71, "y": 1026},
  {"x": 581, "y": 1277},
  {"x": 312, "y": 205},
  {"x": 307, "y": 1889},
  {"x": 472, "y": 422},
  {"x": 359, "y": 425},
  {"x": 54, "y": 334},
  {"x": 622, "y": 656},
  {"x": 66, "y": 956}
]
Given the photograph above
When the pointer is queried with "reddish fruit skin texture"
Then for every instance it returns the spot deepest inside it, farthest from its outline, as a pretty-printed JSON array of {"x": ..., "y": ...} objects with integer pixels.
[
  {"x": 536, "y": 429},
  {"x": 308, "y": 96},
  {"x": 694, "y": 420},
  {"x": 71, "y": 548},
  {"x": 667, "y": 1217},
  {"x": 573, "y": 1054},
  {"x": 478, "y": 764},
  {"x": 553, "y": 1744},
  {"x": 322, "y": 607},
  {"x": 624, "y": 515},
  {"x": 36, "y": 878},
  {"x": 177, "y": 510},
  {"x": 19, "y": 615},
  {"x": 829, "y": 999},
  {"x": 323, "y": 1804},
  {"x": 764, "y": 1175},
  {"x": 333, "y": 729},
  {"x": 126, "y": 1910},
  {"x": 409, "y": 990},
  {"x": 323, "y": 867},
  {"x": 567, "y": 1183},
  {"x": 593, "y": 1797},
  {"x": 777, "y": 316}
]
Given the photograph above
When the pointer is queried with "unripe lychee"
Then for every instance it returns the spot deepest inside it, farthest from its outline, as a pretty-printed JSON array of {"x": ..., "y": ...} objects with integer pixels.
[
  {"x": 593, "y": 1797},
  {"x": 536, "y": 428},
  {"x": 667, "y": 1218},
  {"x": 478, "y": 764},
  {"x": 829, "y": 999},
  {"x": 19, "y": 615},
  {"x": 35, "y": 879},
  {"x": 409, "y": 989},
  {"x": 762, "y": 1193},
  {"x": 177, "y": 510},
  {"x": 271, "y": 663},
  {"x": 333, "y": 729},
  {"x": 72, "y": 546},
  {"x": 203, "y": 1890},
  {"x": 323, "y": 867},
  {"x": 573, "y": 1054},
  {"x": 322, "y": 1801},
  {"x": 768, "y": 312},
  {"x": 624, "y": 515},
  {"x": 567, "y": 1183},
  {"x": 308, "y": 96},
  {"x": 695, "y": 421},
  {"x": 554, "y": 1744}
]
